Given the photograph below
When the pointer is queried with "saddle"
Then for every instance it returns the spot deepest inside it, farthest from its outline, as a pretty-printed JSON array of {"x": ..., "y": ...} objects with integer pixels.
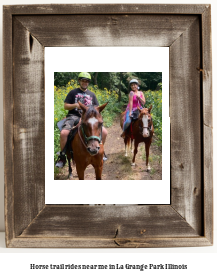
[
  {"x": 71, "y": 136},
  {"x": 60, "y": 124},
  {"x": 134, "y": 116}
]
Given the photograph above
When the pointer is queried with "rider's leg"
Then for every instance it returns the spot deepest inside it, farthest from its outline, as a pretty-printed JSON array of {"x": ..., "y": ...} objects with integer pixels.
[
  {"x": 63, "y": 138},
  {"x": 104, "y": 135},
  {"x": 67, "y": 126},
  {"x": 126, "y": 123}
]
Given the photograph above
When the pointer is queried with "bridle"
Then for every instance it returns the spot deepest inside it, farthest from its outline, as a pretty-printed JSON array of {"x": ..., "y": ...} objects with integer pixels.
[
  {"x": 143, "y": 127},
  {"x": 87, "y": 139}
]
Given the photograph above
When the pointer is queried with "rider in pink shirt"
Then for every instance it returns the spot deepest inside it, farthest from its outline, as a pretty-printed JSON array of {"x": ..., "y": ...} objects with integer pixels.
[{"x": 136, "y": 98}]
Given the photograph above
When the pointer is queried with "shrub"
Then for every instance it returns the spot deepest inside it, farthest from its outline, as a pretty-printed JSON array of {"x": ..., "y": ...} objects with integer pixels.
[{"x": 154, "y": 98}]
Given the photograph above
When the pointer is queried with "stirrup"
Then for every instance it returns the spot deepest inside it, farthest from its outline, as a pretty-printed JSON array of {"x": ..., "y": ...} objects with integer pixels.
[
  {"x": 123, "y": 134},
  {"x": 61, "y": 160}
]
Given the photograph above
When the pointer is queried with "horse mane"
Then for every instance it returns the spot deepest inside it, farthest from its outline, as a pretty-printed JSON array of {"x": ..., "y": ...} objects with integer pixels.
[{"x": 91, "y": 112}]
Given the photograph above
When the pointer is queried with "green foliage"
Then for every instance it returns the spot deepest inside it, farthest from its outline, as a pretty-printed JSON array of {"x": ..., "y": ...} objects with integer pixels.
[
  {"x": 154, "y": 98},
  {"x": 149, "y": 80},
  {"x": 62, "y": 78},
  {"x": 113, "y": 107},
  {"x": 113, "y": 81},
  {"x": 59, "y": 111}
]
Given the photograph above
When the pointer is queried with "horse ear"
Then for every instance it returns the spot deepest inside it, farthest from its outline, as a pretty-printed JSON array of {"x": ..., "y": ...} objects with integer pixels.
[
  {"x": 83, "y": 107},
  {"x": 139, "y": 108},
  {"x": 100, "y": 108},
  {"x": 149, "y": 109}
]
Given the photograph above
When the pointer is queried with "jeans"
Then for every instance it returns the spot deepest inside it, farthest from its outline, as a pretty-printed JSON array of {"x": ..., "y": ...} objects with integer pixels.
[{"x": 127, "y": 121}]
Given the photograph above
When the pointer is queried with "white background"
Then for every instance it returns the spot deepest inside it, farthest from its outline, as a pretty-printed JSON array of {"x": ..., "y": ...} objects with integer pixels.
[
  {"x": 69, "y": 59},
  {"x": 201, "y": 261}
]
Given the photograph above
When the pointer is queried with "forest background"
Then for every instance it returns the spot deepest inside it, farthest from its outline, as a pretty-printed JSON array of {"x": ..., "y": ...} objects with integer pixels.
[{"x": 112, "y": 87}]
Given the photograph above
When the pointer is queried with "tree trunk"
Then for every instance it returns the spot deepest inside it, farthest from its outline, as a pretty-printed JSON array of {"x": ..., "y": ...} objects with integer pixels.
[
  {"x": 119, "y": 88},
  {"x": 95, "y": 78}
]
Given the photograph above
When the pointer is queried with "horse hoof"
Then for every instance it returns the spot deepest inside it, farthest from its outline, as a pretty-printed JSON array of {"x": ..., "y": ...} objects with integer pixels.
[
  {"x": 70, "y": 176},
  {"x": 125, "y": 154},
  {"x": 133, "y": 164},
  {"x": 148, "y": 169}
]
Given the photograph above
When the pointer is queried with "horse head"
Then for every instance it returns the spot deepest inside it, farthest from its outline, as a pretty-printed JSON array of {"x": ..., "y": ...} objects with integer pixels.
[
  {"x": 91, "y": 126},
  {"x": 145, "y": 121}
]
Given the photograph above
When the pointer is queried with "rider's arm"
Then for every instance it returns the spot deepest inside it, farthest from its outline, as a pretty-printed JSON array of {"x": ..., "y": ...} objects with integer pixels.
[
  {"x": 95, "y": 101},
  {"x": 130, "y": 102},
  {"x": 68, "y": 106},
  {"x": 142, "y": 99}
]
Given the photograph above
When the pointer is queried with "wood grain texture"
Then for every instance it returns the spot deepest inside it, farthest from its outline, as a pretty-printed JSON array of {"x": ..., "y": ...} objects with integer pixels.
[
  {"x": 106, "y": 9},
  {"x": 107, "y": 243},
  {"x": 207, "y": 122},
  {"x": 207, "y": 67},
  {"x": 107, "y": 30},
  {"x": 186, "y": 30},
  {"x": 109, "y": 222},
  {"x": 185, "y": 116},
  {"x": 208, "y": 182},
  {"x": 8, "y": 125},
  {"x": 28, "y": 127}
]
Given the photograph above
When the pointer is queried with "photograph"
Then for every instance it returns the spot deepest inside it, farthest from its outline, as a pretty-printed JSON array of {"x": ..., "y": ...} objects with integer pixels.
[
  {"x": 88, "y": 74},
  {"x": 108, "y": 125},
  {"x": 112, "y": 117}
]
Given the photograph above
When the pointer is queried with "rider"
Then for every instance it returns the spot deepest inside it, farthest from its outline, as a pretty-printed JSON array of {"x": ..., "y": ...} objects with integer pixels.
[
  {"x": 87, "y": 98},
  {"x": 136, "y": 98}
]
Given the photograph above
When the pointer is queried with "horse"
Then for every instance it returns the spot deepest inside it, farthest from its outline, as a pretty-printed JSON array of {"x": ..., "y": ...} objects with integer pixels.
[
  {"x": 128, "y": 140},
  {"x": 141, "y": 130},
  {"x": 87, "y": 144}
]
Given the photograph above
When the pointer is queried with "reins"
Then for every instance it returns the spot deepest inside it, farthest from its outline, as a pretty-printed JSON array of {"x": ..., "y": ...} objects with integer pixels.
[
  {"x": 80, "y": 126},
  {"x": 81, "y": 138},
  {"x": 88, "y": 138}
]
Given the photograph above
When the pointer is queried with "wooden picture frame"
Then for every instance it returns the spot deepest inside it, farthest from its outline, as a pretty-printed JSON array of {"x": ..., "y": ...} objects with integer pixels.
[{"x": 186, "y": 30}]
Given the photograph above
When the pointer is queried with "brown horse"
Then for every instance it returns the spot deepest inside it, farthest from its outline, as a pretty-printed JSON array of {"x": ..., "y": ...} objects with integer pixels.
[
  {"x": 87, "y": 145},
  {"x": 140, "y": 131}
]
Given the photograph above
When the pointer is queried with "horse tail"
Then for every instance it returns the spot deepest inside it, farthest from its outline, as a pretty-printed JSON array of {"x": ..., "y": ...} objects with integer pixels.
[
  {"x": 122, "y": 118},
  {"x": 128, "y": 142}
]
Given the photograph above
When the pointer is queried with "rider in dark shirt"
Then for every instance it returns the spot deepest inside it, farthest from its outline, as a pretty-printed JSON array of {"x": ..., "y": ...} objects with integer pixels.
[{"x": 87, "y": 98}]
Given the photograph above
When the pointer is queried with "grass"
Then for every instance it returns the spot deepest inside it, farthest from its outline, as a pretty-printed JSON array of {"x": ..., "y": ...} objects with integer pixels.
[
  {"x": 125, "y": 163},
  {"x": 152, "y": 171},
  {"x": 152, "y": 157}
]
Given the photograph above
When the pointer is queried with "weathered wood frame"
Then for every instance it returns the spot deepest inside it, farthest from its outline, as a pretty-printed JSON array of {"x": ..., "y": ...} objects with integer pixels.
[{"x": 186, "y": 29}]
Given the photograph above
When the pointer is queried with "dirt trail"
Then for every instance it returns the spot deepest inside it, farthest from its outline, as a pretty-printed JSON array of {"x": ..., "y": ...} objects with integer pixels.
[{"x": 118, "y": 167}]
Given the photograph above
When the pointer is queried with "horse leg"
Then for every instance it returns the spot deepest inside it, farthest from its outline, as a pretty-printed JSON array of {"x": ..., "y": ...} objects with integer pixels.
[
  {"x": 131, "y": 145},
  {"x": 135, "y": 152},
  {"x": 126, "y": 145},
  {"x": 70, "y": 168},
  {"x": 147, "y": 146},
  {"x": 80, "y": 172},
  {"x": 98, "y": 172}
]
